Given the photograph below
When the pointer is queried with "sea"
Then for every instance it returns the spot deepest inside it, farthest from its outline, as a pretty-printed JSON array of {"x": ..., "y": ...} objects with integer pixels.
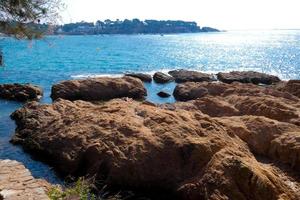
[{"x": 56, "y": 58}]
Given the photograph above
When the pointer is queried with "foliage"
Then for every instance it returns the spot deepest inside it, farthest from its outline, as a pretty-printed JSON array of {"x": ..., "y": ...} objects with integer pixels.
[
  {"x": 23, "y": 18},
  {"x": 130, "y": 27},
  {"x": 81, "y": 189}
]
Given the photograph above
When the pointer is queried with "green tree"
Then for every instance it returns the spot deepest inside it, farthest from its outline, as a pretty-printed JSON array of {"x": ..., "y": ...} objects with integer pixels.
[{"x": 27, "y": 19}]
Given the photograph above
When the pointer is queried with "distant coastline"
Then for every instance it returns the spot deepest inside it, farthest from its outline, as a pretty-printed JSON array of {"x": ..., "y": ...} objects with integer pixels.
[{"x": 134, "y": 26}]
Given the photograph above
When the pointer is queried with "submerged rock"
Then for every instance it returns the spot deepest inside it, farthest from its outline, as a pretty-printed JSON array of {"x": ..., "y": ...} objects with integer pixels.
[
  {"x": 141, "y": 76},
  {"x": 160, "y": 77},
  {"x": 190, "y": 76},
  {"x": 181, "y": 152},
  {"x": 97, "y": 89},
  {"x": 163, "y": 94},
  {"x": 247, "y": 77},
  {"x": 20, "y": 92}
]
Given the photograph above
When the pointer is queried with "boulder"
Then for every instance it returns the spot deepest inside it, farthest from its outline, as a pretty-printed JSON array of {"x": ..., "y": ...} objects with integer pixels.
[
  {"x": 163, "y": 94},
  {"x": 99, "y": 89},
  {"x": 247, "y": 77},
  {"x": 190, "y": 76},
  {"x": 180, "y": 152},
  {"x": 20, "y": 92},
  {"x": 160, "y": 77},
  {"x": 141, "y": 76}
]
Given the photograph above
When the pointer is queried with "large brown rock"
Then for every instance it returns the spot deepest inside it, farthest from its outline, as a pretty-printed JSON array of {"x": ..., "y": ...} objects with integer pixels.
[
  {"x": 97, "y": 89},
  {"x": 247, "y": 77},
  {"x": 182, "y": 76},
  {"x": 180, "y": 152},
  {"x": 20, "y": 92},
  {"x": 237, "y": 99},
  {"x": 191, "y": 90}
]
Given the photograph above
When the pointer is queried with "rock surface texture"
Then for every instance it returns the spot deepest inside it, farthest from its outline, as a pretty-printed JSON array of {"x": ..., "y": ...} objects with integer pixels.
[
  {"x": 17, "y": 183},
  {"x": 193, "y": 76},
  {"x": 292, "y": 87},
  {"x": 238, "y": 141},
  {"x": 247, "y": 77},
  {"x": 20, "y": 92},
  {"x": 141, "y": 76},
  {"x": 98, "y": 89},
  {"x": 160, "y": 77}
]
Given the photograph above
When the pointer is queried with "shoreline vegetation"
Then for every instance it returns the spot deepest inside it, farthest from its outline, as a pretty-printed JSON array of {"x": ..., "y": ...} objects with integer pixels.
[
  {"x": 134, "y": 26},
  {"x": 228, "y": 136}
]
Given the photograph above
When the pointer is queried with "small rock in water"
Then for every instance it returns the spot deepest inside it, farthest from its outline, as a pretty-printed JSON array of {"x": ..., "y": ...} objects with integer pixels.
[
  {"x": 20, "y": 92},
  {"x": 182, "y": 76},
  {"x": 247, "y": 77},
  {"x": 163, "y": 94},
  {"x": 141, "y": 76},
  {"x": 160, "y": 77}
]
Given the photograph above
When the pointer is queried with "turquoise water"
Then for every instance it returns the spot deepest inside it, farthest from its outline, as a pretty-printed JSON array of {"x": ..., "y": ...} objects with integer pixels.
[{"x": 58, "y": 58}]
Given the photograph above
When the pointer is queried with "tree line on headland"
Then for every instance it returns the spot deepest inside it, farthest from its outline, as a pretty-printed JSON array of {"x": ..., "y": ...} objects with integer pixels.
[{"x": 134, "y": 26}]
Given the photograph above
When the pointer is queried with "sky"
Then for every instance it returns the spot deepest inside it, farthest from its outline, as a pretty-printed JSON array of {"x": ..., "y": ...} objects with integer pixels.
[{"x": 221, "y": 14}]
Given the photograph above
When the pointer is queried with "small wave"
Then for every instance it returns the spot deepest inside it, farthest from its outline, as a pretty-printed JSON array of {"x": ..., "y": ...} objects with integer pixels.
[{"x": 80, "y": 76}]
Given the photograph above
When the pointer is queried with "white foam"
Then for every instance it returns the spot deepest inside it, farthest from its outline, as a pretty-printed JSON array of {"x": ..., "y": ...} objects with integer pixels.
[{"x": 80, "y": 76}]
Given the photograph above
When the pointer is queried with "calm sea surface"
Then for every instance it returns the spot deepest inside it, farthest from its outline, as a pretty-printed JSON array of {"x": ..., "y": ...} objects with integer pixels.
[{"x": 68, "y": 57}]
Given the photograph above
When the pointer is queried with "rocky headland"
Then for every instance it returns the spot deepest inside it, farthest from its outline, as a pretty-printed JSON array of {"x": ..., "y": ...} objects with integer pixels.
[{"x": 221, "y": 140}]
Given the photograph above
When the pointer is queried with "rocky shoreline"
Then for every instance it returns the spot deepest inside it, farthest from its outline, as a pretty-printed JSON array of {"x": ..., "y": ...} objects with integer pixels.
[{"x": 236, "y": 138}]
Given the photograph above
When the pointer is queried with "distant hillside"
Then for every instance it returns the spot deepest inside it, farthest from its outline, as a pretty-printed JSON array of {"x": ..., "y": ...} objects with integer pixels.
[{"x": 134, "y": 26}]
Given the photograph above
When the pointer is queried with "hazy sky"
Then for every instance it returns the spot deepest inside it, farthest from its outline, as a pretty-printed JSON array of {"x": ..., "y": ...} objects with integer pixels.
[{"x": 222, "y": 14}]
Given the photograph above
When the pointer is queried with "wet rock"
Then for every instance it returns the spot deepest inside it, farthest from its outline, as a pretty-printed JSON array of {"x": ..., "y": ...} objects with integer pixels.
[
  {"x": 181, "y": 152},
  {"x": 141, "y": 76},
  {"x": 163, "y": 94},
  {"x": 20, "y": 92},
  {"x": 160, "y": 77},
  {"x": 247, "y": 77},
  {"x": 190, "y": 76},
  {"x": 98, "y": 89}
]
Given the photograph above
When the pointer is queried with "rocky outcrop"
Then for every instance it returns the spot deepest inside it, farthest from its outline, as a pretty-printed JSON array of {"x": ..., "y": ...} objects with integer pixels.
[
  {"x": 219, "y": 99},
  {"x": 247, "y": 77},
  {"x": 160, "y": 77},
  {"x": 191, "y": 90},
  {"x": 193, "y": 76},
  {"x": 17, "y": 183},
  {"x": 20, "y": 92},
  {"x": 291, "y": 86},
  {"x": 185, "y": 149},
  {"x": 163, "y": 94},
  {"x": 141, "y": 76},
  {"x": 98, "y": 89}
]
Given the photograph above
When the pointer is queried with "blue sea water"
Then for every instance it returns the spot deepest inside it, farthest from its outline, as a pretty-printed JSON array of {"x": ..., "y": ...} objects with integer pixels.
[{"x": 57, "y": 58}]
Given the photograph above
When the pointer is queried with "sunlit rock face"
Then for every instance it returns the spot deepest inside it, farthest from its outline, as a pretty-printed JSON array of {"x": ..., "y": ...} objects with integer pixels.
[{"x": 99, "y": 89}]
